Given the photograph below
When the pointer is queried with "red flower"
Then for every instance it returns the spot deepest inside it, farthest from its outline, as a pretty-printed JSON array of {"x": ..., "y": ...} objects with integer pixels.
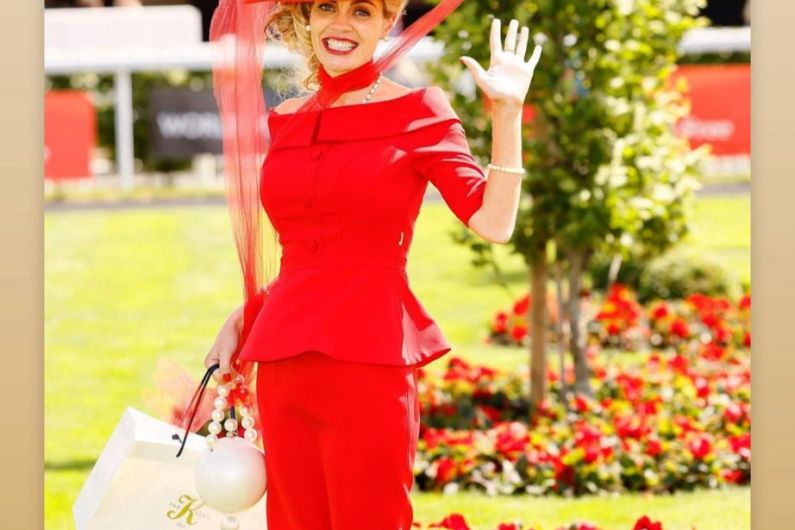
[
  {"x": 734, "y": 413},
  {"x": 745, "y": 302},
  {"x": 445, "y": 470},
  {"x": 493, "y": 414},
  {"x": 702, "y": 386},
  {"x": 482, "y": 372},
  {"x": 712, "y": 351},
  {"x": 679, "y": 363},
  {"x": 700, "y": 447},
  {"x": 511, "y": 438},
  {"x": 500, "y": 323},
  {"x": 660, "y": 311},
  {"x": 644, "y": 523},
  {"x": 448, "y": 409},
  {"x": 732, "y": 476},
  {"x": 591, "y": 454},
  {"x": 581, "y": 403},
  {"x": 653, "y": 447},
  {"x": 722, "y": 333},
  {"x": 630, "y": 426},
  {"x": 522, "y": 305},
  {"x": 710, "y": 320},
  {"x": 741, "y": 445},
  {"x": 631, "y": 385},
  {"x": 518, "y": 332},
  {"x": 747, "y": 339},
  {"x": 454, "y": 521},
  {"x": 652, "y": 405},
  {"x": 685, "y": 423},
  {"x": 679, "y": 328}
]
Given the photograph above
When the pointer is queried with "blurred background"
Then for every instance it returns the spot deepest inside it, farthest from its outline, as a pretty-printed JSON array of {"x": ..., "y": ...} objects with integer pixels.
[{"x": 129, "y": 98}]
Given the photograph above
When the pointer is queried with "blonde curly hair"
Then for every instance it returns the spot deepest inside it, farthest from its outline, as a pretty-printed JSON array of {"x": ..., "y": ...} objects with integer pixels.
[{"x": 288, "y": 25}]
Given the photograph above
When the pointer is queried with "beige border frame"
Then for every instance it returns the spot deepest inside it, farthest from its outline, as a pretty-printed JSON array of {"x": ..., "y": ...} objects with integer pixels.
[{"x": 21, "y": 266}]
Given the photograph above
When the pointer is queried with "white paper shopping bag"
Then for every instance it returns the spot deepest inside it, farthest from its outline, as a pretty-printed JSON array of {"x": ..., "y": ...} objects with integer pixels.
[{"x": 138, "y": 482}]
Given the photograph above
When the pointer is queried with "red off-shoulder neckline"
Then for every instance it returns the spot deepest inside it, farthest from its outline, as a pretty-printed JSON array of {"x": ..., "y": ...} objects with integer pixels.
[
  {"x": 354, "y": 105},
  {"x": 359, "y": 121}
]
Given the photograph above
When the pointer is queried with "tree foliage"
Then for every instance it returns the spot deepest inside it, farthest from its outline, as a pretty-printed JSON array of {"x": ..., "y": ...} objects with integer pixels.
[{"x": 605, "y": 169}]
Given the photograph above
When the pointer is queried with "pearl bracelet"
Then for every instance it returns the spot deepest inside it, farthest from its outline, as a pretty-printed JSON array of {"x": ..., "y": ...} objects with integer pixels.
[{"x": 503, "y": 169}]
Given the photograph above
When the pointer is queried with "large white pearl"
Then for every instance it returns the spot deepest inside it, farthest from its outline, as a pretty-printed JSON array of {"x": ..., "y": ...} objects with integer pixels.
[
  {"x": 248, "y": 422},
  {"x": 250, "y": 435},
  {"x": 220, "y": 402},
  {"x": 231, "y": 477},
  {"x": 245, "y": 411},
  {"x": 218, "y": 415},
  {"x": 230, "y": 424},
  {"x": 222, "y": 390},
  {"x": 214, "y": 427}
]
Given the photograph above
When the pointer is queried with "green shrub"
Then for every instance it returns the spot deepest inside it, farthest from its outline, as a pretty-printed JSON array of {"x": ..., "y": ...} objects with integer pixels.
[
  {"x": 678, "y": 274},
  {"x": 628, "y": 274},
  {"x": 674, "y": 275}
]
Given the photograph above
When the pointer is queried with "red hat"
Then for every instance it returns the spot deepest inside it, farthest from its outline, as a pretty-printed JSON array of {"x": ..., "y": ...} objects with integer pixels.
[{"x": 239, "y": 27}]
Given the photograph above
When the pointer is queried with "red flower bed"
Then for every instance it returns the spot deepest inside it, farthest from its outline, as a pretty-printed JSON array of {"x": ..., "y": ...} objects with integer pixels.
[
  {"x": 675, "y": 421},
  {"x": 621, "y": 322},
  {"x": 456, "y": 521}
]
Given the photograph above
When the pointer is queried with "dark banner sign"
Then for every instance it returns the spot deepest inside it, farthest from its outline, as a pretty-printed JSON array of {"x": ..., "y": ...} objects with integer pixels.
[{"x": 184, "y": 123}]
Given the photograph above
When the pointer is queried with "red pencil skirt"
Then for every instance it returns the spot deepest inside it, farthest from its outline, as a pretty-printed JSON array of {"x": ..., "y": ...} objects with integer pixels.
[{"x": 340, "y": 440}]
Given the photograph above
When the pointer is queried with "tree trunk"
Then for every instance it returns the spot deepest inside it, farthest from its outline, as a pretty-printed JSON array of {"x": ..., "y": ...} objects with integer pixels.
[
  {"x": 538, "y": 306},
  {"x": 561, "y": 338},
  {"x": 615, "y": 267},
  {"x": 576, "y": 259}
]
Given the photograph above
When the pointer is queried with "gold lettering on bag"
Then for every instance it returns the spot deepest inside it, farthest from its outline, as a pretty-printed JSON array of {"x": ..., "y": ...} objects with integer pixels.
[{"x": 186, "y": 508}]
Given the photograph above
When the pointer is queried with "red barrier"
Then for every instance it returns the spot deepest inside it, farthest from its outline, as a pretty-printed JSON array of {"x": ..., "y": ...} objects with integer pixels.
[
  {"x": 70, "y": 134},
  {"x": 720, "y": 113}
]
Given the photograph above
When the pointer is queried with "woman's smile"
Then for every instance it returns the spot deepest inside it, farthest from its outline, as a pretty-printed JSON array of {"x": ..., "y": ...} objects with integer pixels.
[{"x": 339, "y": 46}]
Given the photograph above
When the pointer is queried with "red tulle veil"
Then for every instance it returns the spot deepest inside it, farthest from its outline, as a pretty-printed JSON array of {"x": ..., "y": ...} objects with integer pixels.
[{"x": 238, "y": 28}]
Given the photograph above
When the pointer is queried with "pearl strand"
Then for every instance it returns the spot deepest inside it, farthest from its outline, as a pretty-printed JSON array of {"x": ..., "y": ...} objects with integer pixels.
[
  {"x": 373, "y": 88},
  {"x": 230, "y": 424}
]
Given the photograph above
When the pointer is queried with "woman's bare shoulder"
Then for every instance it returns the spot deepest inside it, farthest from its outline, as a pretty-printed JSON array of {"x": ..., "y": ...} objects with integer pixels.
[
  {"x": 291, "y": 104},
  {"x": 390, "y": 89}
]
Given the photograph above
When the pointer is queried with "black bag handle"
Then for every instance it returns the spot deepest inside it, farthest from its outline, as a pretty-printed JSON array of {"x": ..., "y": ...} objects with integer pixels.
[{"x": 200, "y": 393}]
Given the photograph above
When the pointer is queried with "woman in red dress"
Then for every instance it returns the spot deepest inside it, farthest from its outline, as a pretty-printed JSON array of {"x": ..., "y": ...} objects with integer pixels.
[{"x": 340, "y": 335}]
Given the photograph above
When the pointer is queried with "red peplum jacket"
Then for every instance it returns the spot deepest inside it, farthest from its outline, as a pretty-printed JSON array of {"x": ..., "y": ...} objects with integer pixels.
[{"x": 343, "y": 190}]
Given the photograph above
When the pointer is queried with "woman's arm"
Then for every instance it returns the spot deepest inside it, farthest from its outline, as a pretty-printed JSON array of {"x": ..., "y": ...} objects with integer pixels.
[
  {"x": 496, "y": 219},
  {"x": 506, "y": 83}
]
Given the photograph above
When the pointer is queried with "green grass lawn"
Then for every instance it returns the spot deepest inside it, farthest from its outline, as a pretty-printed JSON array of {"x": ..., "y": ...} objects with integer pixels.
[
  {"x": 729, "y": 509},
  {"x": 124, "y": 287}
]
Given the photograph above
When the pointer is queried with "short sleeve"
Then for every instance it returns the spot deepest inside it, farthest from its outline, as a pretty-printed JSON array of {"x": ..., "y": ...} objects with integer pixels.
[{"x": 444, "y": 158}]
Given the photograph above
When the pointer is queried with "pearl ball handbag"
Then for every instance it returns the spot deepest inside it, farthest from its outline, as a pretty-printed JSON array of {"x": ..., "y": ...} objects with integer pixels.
[{"x": 230, "y": 475}]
